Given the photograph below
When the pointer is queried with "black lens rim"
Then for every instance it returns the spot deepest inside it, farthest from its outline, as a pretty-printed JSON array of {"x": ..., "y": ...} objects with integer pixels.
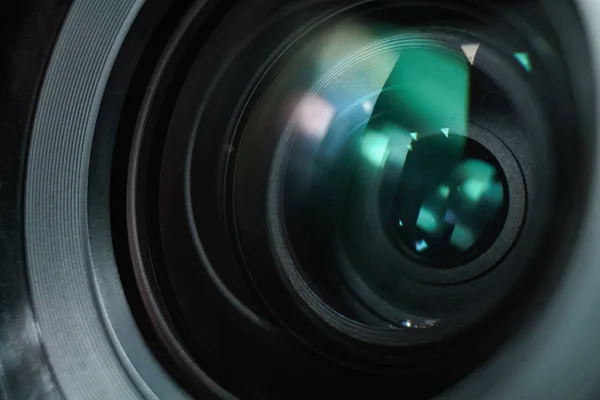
[{"x": 489, "y": 259}]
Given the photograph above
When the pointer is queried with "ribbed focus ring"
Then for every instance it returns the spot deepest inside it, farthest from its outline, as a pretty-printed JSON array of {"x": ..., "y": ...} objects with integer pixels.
[{"x": 60, "y": 271}]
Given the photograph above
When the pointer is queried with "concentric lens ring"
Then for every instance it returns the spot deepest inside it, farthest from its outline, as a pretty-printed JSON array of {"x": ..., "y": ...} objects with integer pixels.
[
  {"x": 288, "y": 263},
  {"x": 509, "y": 233}
]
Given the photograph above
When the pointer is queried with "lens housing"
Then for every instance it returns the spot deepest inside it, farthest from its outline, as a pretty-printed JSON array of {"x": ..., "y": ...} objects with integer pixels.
[{"x": 204, "y": 267}]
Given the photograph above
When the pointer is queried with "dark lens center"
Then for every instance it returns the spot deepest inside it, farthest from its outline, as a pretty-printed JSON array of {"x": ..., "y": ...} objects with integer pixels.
[{"x": 449, "y": 201}]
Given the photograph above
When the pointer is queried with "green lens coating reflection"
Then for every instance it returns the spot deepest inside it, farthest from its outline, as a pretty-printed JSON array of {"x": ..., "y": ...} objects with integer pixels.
[
  {"x": 454, "y": 206},
  {"x": 450, "y": 197}
]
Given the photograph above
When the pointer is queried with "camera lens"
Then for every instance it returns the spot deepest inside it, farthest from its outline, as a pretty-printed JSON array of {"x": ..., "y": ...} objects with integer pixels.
[
  {"x": 394, "y": 192},
  {"x": 367, "y": 197}
]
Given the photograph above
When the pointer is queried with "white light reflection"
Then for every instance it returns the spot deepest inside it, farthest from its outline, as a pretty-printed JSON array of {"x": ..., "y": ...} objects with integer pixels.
[
  {"x": 367, "y": 106},
  {"x": 406, "y": 323},
  {"x": 470, "y": 51},
  {"x": 314, "y": 116}
]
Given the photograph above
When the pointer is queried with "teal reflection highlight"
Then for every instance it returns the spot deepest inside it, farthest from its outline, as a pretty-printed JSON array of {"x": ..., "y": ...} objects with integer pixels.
[
  {"x": 524, "y": 60},
  {"x": 427, "y": 220},
  {"x": 421, "y": 246},
  {"x": 426, "y": 93},
  {"x": 374, "y": 148},
  {"x": 462, "y": 204},
  {"x": 416, "y": 141},
  {"x": 462, "y": 237},
  {"x": 444, "y": 191},
  {"x": 477, "y": 182},
  {"x": 428, "y": 90}
]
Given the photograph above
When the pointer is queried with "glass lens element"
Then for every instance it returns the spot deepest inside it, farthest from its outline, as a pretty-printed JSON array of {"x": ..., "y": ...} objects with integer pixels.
[
  {"x": 450, "y": 201},
  {"x": 378, "y": 171}
]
